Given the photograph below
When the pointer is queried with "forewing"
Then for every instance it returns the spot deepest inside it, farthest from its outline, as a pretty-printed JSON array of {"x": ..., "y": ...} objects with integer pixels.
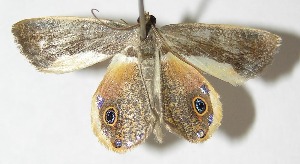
[
  {"x": 122, "y": 92},
  {"x": 191, "y": 106},
  {"x": 233, "y": 54},
  {"x": 64, "y": 44}
]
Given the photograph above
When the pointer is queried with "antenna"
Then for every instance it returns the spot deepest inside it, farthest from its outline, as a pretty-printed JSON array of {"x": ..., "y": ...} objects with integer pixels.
[{"x": 142, "y": 20}]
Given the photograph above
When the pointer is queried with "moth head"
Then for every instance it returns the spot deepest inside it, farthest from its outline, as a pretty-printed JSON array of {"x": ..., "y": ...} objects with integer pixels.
[{"x": 150, "y": 19}]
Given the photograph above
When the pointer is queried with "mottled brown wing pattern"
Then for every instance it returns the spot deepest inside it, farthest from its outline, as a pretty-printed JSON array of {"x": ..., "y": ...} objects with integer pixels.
[
  {"x": 64, "y": 44},
  {"x": 121, "y": 112},
  {"x": 231, "y": 53},
  {"x": 191, "y": 106}
]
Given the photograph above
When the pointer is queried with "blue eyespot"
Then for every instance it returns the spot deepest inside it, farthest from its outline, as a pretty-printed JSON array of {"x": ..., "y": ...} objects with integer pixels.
[
  {"x": 118, "y": 143},
  {"x": 204, "y": 89},
  {"x": 210, "y": 119},
  {"x": 99, "y": 101},
  {"x": 199, "y": 105},
  {"x": 110, "y": 116}
]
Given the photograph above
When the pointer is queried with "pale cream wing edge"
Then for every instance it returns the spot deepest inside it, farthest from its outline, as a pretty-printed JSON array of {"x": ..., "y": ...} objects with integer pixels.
[
  {"x": 65, "y": 44},
  {"x": 230, "y": 53}
]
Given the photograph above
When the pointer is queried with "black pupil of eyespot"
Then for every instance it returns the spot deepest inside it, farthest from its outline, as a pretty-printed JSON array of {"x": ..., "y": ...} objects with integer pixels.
[
  {"x": 200, "y": 105},
  {"x": 110, "y": 116}
]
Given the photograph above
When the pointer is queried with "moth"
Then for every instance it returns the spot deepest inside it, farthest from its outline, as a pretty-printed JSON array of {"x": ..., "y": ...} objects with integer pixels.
[{"x": 153, "y": 81}]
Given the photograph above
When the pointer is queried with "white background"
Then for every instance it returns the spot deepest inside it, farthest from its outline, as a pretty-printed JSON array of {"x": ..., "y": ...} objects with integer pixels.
[{"x": 44, "y": 118}]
